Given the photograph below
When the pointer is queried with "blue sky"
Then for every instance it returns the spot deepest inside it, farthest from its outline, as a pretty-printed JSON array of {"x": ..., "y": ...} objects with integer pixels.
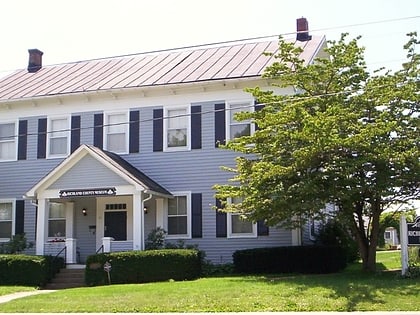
[{"x": 85, "y": 29}]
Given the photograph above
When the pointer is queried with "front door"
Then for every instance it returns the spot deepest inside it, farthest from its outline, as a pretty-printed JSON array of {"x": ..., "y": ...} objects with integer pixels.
[{"x": 116, "y": 225}]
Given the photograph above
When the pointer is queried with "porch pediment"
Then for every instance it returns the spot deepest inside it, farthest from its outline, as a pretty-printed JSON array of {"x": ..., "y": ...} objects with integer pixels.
[{"x": 91, "y": 167}]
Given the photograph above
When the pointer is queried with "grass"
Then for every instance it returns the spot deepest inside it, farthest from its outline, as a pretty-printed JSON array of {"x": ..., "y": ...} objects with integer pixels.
[{"x": 351, "y": 290}]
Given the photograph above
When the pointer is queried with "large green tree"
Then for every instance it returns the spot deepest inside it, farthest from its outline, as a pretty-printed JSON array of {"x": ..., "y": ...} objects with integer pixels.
[{"x": 347, "y": 137}]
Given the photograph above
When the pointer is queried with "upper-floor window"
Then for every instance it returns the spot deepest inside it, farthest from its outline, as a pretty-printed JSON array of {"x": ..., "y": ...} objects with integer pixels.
[
  {"x": 237, "y": 128},
  {"x": 179, "y": 216},
  {"x": 116, "y": 132},
  {"x": 6, "y": 219},
  {"x": 58, "y": 137},
  {"x": 8, "y": 141},
  {"x": 177, "y": 128},
  {"x": 238, "y": 226},
  {"x": 57, "y": 220}
]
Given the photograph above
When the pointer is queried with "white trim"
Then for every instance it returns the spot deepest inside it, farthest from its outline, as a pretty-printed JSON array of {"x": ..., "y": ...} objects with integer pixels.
[
  {"x": 165, "y": 222},
  {"x": 50, "y": 132},
  {"x": 16, "y": 138},
  {"x": 248, "y": 106},
  {"x": 13, "y": 202},
  {"x": 230, "y": 233},
  {"x": 125, "y": 124},
  {"x": 187, "y": 109}
]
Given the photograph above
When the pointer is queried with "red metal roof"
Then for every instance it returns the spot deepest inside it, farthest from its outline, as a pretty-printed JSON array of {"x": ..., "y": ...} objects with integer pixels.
[{"x": 240, "y": 60}]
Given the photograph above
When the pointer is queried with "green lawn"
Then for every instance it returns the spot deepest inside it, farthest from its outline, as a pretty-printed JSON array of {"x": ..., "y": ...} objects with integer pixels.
[{"x": 351, "y": 290}]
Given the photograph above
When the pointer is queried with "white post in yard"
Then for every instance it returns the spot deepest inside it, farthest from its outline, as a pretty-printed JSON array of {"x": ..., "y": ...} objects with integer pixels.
[{"x": 404, "y": 245}]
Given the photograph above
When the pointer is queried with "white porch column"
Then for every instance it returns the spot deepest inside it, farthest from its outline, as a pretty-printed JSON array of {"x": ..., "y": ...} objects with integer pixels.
[
  {"x": 106, "y": 242},
  {"x": 69, "y": 207},
  {"x": 296, "y": 237},
  {"x": 159, "y": 212},
  {"x": 71, "y": 253},
  {"x": 138, "y": 219},
  {"x": 41, "y": 226}
]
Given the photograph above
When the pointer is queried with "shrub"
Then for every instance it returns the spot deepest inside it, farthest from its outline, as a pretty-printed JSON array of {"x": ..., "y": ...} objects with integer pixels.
[
  {"x": 17, "y": 244},
  {"x": 155, "y": 239},
  {"x": 333, "y": 233},
  {"x": 290, "y": 259},
  {"x": 28, "y": 269},
  {"x": 144, "y": 266}
]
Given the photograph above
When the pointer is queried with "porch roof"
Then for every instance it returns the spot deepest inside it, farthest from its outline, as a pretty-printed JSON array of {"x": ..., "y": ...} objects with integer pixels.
[
  {"x": 144, "y": 180},
  {"x": 110, "y": 160}
]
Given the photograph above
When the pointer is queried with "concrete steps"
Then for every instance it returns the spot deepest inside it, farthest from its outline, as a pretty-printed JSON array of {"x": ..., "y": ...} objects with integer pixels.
[{"x": 69, "y": 277}]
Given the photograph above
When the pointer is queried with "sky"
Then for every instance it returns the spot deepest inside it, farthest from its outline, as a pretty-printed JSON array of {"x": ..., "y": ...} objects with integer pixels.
[{"x": 68, "y": 31}]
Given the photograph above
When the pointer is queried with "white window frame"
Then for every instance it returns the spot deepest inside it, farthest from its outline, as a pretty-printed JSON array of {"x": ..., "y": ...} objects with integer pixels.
[
  {"x": 14, "y": 140},
  {"x": 166, "y": 119},
  {"x": 50, "y": 135},
  {"x": 124, "y": 125},
  {"x": 186, "y": 194},
  {"x": 231, "y": 234},
  {"x": 13, "y": 202},
  {"x": 248, "y": 106},
  {"x": 57, "y": 237}
]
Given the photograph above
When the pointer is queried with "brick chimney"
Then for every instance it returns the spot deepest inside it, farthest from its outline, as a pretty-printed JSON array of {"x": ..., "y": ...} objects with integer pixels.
[
  {"x": 302, "y": 33},
  {"x": 35, "y": 60}
]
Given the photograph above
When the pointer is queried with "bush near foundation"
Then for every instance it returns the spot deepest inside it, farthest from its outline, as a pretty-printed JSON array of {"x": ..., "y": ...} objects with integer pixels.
[
  {"x": 290, "y": 259},
  {"x": 143, "y": 266},
  {"x": 28, "y": 270}
]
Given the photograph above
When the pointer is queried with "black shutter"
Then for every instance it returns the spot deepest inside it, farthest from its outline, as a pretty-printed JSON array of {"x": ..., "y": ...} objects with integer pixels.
[
  {"x": 75, "y": 133},
  {"x": 195, "y": 127},
  {"x": 42, "y": 138},
  {"x": 22, "y": 139},
  {"x": 134, "y": 131},
  {"x": 197, "y": 214},
  {"x": 257, "y": 107},
  {"x": 221, "y": 221},
  {"x": 219, "y": 124},
  {"x": 262, "y": 229},
  {"x": 158, "y": 130},
  {"x": 19, "y": 217},
  {"x": 98, "y": 131}
]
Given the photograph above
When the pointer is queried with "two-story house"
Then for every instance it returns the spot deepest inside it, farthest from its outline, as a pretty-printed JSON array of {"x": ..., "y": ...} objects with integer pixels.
[{"x": 96, "y": 154}]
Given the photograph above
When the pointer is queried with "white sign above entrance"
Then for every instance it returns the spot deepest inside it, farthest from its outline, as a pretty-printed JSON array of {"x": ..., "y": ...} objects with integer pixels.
[{"x": 68, "y": 193}]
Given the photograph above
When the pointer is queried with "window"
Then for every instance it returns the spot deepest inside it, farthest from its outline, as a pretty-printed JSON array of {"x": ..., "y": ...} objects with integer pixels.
[
  {"x": 178, "y": 219},
  {"x": 58, "y": 137},
  {"x": 6, "y": 219},
  {"x": 238, "y": 226},
  {"x": 57, "y": 220},
  {"x": 237, "y": 128},
  {"x": 8, "y": 142},
  {"x": 177, "y": 124},
  {"x": 116, "y": 132}
]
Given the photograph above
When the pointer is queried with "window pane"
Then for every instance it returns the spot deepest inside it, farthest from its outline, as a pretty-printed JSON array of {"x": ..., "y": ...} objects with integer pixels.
[
  {"x": 57, "y": 211},
  {"x": 58, "y": 145},
  {"x": 5, "y": 211},
  {"x": 56, "y": 228},
  {"x": 240, "y": 130},
  {"x": 177, "y": 119},
  {"x": 6, "y": 229},
  {"x": 177, "y": 138},
  {"x": 117, "y": 123},
  {"x": 116, "y": 142},
  {"x": 239, "y": 225},
  {"x": 7, "y": 131},
  {"x": 177, "y": 225},
  {"x": 177, "y": 206},
  {"x": 7, "y": 150}
]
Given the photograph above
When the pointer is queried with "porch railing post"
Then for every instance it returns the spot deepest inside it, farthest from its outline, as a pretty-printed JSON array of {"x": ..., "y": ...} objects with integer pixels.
[
  {"x": 106, "y": 242},
  {"x": 71, "y": 253}
]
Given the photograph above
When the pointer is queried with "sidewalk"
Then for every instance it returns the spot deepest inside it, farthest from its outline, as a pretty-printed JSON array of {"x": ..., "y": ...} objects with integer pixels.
[{"x": 17, "y": 295}]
